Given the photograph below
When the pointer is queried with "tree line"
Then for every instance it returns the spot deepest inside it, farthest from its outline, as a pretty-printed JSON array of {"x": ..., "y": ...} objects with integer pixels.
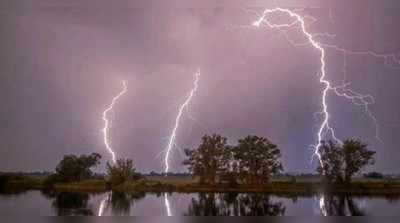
[
  {"x": 252, "y": 161},
  {"x": 74, "y": 168}
]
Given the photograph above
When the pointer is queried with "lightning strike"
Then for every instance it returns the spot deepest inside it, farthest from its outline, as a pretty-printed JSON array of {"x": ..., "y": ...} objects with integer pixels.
[
  {"x": 343, "y": 91},
  {"x": 172, "y": 138},
  {"x": 325, "y": 126},
  {"x": 105, "y": 130},
  {"x": 358, "y": 99}
]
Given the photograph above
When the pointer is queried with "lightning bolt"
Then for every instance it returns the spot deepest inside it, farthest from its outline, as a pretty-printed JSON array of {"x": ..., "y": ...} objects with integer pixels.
[
  {"x": 325, "y": 126},
  {"x": 344, "y": 91},
  {"x": 172, "y": 138},
  {"x": 106, "y": 127}
]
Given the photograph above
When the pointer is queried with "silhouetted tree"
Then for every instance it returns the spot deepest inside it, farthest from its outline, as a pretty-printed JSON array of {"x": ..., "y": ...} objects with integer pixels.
[
  {"x": 257, "y": 159},
  {"x": 331, "y": 156},
  {"x": 121, "y": 172},
  {"x": 210, "y": 159},
  {"x": 342, "y": 162},
  {"x": 356, "y": 156},
  {"x": 74, "y": 168},
  {"x": 374, "y": 175}
]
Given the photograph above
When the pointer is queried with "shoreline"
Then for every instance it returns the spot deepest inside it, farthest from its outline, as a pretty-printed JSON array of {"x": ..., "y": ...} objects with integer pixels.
[{"x": 148, "y": 186}]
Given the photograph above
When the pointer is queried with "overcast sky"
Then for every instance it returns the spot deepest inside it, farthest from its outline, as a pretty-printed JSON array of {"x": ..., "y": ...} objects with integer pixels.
[{"x": 61, "y": 64}]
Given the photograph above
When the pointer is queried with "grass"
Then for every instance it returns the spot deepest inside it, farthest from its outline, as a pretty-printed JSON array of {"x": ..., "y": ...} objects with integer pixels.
[
  {"x": 160, "y": 184},
  {"x": 85, "y": 186},
  {"x": 15, "y": 182},
  {"x": 175, "y": 180}
]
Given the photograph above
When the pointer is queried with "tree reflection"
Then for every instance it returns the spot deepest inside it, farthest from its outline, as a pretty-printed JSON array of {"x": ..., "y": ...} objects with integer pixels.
[
  {"x": 70, "y": 204},
  {"x": 121, "y": 203},
  {"x": 342, "y": 205},
  {"x": 233, "y": 204}
]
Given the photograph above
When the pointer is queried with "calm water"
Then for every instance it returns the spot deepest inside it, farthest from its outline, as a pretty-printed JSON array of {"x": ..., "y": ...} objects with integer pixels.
[{"x": 40, "y": 203}]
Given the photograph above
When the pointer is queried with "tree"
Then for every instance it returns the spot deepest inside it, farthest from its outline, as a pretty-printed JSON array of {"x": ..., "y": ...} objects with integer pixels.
[
  {"x": 331, "y": 156},
  {"x": 356, "y": 156},
  {"x": 342, "y": 162},
  {"x": 257, "y": 159},
  {"x": 210, "y": 159},
  {"x": 122, "y": 172},
  {"x": 74, "y": 168},
  {"x": 374, "y": 175}
]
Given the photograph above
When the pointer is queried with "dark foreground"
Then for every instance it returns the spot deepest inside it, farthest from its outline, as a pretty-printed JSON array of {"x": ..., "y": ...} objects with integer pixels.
[{"x": 161, "y": 184}]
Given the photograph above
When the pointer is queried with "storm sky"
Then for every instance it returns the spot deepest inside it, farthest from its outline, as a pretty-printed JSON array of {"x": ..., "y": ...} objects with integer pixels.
[{"x": 61, "y": 64}]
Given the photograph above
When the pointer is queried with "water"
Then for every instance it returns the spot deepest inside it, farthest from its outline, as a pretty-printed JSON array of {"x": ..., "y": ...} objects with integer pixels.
[{"x": 178, "y": 204}]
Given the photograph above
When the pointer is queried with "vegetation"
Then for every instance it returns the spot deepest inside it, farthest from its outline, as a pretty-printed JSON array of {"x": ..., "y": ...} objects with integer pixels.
[
  {"x": 74, "y": 169},
  {"x": 341, "y": 162},
  {"x": 15, "y": 182},
  {"x": 210, "y": 159},
  {"x": 123, "y": 171},
  {"x": 252, "y": 165},
  {"x": 253, "y": 160},
  {"x": 256, "y": 159},
  {"x": 374, "y": 175}
]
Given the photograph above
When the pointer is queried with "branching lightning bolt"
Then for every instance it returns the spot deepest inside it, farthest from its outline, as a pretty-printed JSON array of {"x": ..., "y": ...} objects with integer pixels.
[
  {"x": 342, "y": 91},
  {"x": 105, "y": 130},
  {"x": 325, "y": 126},
  {"x": 184, "y": 106}
]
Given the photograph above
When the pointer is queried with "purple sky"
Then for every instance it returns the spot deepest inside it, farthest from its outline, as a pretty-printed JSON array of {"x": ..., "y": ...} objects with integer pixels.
[{"x": 61, "y": 63}]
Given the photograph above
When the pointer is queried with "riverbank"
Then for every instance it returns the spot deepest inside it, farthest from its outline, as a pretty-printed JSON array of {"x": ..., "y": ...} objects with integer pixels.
[{"x": 361, "y": 186}]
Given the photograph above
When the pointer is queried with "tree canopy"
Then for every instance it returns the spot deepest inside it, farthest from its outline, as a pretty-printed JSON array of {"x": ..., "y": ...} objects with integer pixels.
[
  {"x": 341, "y": 162},
  {"x": 77, "y": 168},
  {"x": 121, "y": 172},
  {"x": 209, "y": 159},
  {"x": 254, "y": 159},
  {"x": 257, "y": 159}
]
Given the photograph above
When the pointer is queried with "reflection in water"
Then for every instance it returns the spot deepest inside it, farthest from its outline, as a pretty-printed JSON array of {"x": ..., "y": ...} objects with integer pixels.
[
  {"x": 102, "y": 206},
  {"x": 120, "y": 203},
  {"x": 70, "y": 204},
  {"x": 167, "y": 205},
  {"x": 342, "y": 206},
  {"x": 322, "y": 205},
  {"x": 233, "y": 204},
  {"x": 218, "y": 204}
]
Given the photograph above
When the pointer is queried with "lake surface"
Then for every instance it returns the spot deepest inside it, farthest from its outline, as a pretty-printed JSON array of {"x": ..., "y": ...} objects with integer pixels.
[{"x": 178, "y": 204}]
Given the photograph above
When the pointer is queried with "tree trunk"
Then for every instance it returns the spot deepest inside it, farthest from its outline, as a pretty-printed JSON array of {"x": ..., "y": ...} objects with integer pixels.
[{"x": 347, "y": 178}]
